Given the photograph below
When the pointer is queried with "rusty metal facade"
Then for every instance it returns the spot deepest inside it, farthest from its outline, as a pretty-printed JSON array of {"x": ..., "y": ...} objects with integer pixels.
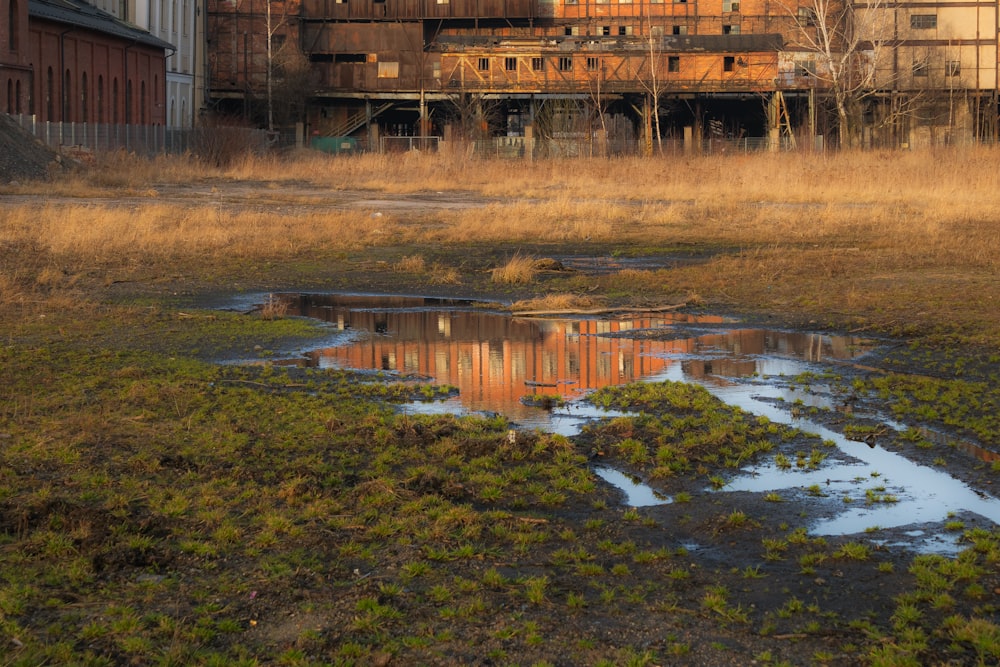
[{"x": 369, "y": 56}]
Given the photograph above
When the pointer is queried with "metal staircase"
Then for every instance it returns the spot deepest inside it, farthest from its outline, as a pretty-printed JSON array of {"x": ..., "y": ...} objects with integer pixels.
[{"x": 356, "y": 121}]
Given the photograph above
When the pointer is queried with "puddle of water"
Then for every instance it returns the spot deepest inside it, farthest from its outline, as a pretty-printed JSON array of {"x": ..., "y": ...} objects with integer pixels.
[
  {"x": 636, "y": 493},
  {"x": 509, "y": 365}
]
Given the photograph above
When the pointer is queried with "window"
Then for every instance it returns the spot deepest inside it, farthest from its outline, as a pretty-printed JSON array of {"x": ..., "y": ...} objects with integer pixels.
[
  {"x": 484, "y": 64},
  {"x": 67, "y": 87},
  {"x": 605, "y": 30},
  {"x": 731, "y": 29},
  {"x": 350, "y": 57},
  {"x": 442, "y": 2},
  {"x": 565, "y": 64},
  {"x": 807, "y": 16},
  {"x": 680, "y": 30},
  {"x": 49, "y": 95},
  {"x": 953, "y": 68},
  {"x": 730, "y": 5},
  {"x": 537, "y": 64},
  {"x": 806, "y": 68},
  {"x": 673, "y": 63},
  {"x": 923, "y": 21},
  {"x": 593, "y": 63},
  {"x": 623, "y": 30},
  {"x": 388, "y": 70},
  {"x": 920, "y": 68},
  {"x": 100, "y": 99},
  {"x": 84, "y": 117},
  {"x": 510, "y": 64},
  {"x": 728, "y": 63},
  {"x": 656, "y": 31}
]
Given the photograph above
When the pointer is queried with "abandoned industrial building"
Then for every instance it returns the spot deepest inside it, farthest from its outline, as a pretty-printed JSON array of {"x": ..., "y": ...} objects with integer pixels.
[
  {"x": 616, "y": 73},
  {"x": 558, "y": 76}
]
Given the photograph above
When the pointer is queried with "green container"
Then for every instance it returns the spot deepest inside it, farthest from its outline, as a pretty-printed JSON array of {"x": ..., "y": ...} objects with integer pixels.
[{"x": 334, "y": 144}]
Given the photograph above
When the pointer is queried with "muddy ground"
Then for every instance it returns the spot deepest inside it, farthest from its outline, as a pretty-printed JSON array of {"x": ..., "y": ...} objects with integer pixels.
[{"x": 709, "y": 590}]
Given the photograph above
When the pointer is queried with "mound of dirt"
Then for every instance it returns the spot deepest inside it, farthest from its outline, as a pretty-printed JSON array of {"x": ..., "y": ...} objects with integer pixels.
[{"x": 22, "y": 157}]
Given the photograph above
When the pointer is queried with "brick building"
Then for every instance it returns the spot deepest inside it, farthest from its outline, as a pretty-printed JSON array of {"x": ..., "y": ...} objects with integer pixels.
[{"x": 69, "y": 61}]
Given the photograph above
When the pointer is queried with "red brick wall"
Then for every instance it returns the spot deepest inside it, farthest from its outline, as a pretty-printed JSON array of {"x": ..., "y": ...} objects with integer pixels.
[
  {"x": 95, "y": 78},
  {"x": 15, "y": 72}
]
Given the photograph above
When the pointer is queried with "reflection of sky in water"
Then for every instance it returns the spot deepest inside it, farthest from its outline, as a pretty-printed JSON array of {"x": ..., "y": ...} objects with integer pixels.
[
  {"x": 495, "y": 360},
  {"x": 636, "y": 493},
  {"x": 923, "y": 494}
]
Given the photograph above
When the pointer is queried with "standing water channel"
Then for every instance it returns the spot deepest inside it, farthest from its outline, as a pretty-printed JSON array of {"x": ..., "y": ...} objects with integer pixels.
[{"x": 506, "y": 364}]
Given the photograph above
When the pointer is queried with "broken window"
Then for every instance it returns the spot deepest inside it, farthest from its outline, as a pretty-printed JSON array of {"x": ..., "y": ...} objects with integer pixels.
[
  {"x": 728, "y": 63},
  {"x": 605, "y": 30},
  {"x": 673, "y": 63},
  {"x": 624, "y": 30},
  {"x": 953, "y": 68},
  {"x": 730, "y": 5},
  {"x": 388, "y": 70},
  {"x": 484, "y": 64},
  {"x": 680, "y": 30},
  {"x": 923, "y": 21},
  {"x": 593, "y": 63},
  {"x": 806, "y": 68},
  {"x": 565, "y": 64},
  {"x": 731, "y": 29},
  {"x": 537, "y": 64},
  {"x": 510, "y": 64},
  {"x": 807, "y": 16},
  {"x": 920, "y": 68}
]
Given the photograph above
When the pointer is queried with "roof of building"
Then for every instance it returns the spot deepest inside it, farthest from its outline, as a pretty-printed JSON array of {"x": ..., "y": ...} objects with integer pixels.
[{"x": 84, "y": 15}]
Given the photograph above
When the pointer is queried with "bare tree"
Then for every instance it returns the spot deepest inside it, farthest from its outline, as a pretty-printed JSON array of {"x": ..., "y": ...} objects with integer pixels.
[
  {"x": 846, "y": 41},
  {"x": 474, "y": 114}
]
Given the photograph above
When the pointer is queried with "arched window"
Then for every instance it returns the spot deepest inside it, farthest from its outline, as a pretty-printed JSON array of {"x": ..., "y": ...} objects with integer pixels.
[
  {"x": 10, "y": 95},
  {"x": 128, "y": 102},
  {"x": 84, "y": 117},
  {"x": 67, "y": 110},
  {"x": 17, "y": 96},
  {"x": 172, "y": 118},
  {"x": 143, "y": 108},
  {"x": 100, "y": 98},
  {"x": 50, "y": 111},
  {"x": 184, "y": 18},
  {"x": 115, "y": 117}
]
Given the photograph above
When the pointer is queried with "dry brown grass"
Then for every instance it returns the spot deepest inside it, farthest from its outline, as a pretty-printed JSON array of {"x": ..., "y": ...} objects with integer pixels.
[
  {"x": 842, "y": 231},
  {"x": 556, "y": 303},
  {"x": 519, "y": 270},
  {"x": 410, "y": 264}
]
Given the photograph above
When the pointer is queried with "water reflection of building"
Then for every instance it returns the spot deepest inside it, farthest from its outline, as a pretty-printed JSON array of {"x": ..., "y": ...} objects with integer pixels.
[{"x": 495, "y": 359}]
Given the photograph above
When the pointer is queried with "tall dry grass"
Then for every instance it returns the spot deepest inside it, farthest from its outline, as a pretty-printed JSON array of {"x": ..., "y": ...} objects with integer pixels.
[{"x": 857, "y": 226}]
